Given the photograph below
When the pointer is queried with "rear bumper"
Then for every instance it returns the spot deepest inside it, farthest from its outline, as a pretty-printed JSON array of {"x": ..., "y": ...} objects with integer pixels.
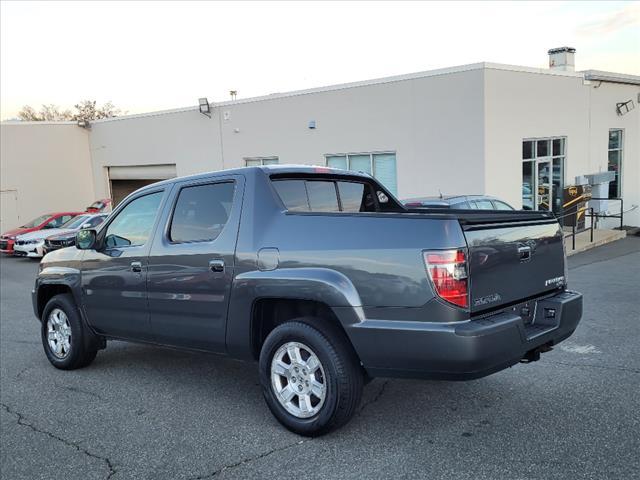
[{"x": 463, "y": 350}]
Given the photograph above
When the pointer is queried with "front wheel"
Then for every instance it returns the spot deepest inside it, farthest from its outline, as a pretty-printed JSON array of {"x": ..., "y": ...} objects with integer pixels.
[
  {"x": 64, "y": 335},
  {"x": 311, "y": 378}
]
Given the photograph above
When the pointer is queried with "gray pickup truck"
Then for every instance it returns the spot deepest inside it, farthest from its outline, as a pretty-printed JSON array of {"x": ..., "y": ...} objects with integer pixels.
[{"x": 320, "y": 275}]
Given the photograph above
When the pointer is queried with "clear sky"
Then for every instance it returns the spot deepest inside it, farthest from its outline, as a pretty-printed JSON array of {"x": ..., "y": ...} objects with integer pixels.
[{"x": 157, "y": 55}]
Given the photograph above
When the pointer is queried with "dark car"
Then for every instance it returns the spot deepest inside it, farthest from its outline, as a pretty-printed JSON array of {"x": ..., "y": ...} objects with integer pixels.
[
  {"x": 319, "y": 275},
  {"x": 465, "y": 202}
]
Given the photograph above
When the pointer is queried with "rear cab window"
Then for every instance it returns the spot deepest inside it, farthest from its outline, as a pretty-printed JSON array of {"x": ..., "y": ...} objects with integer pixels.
[{"x": 333, "y": 194}]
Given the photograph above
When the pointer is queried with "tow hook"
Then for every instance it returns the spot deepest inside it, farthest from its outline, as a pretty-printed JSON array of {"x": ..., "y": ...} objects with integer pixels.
[{"x": 534, "y": 355}]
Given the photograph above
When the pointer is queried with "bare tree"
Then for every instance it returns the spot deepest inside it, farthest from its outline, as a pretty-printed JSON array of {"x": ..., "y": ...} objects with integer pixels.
[{"x": 85, "y": 110}]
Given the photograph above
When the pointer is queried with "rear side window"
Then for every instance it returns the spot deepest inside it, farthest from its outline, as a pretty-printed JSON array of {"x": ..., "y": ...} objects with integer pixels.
[
  {"x": 484, "y": 204},
  {"x": 461, "y": 205},
  {"x": 356, "y": 197},
  {"x": 201, "y": 212},
  {"x": 325, "y": 196},
  {"x": 498, "y": 205},
  {"x": 322, "y": 196},
  {"x": 293, "y": 194}
]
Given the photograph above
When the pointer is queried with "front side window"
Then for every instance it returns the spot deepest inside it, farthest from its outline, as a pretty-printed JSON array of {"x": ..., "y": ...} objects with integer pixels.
[
  {"x": 75, "y": 222},
  {"x": 36, "y": 221},
  {"x": 201, "y": 212},
  {"x": 381, "y": 165},
  {"x": 615, "y": 162},
  {"x": 132, "y": 226},
  {"x": 58, "y": 221},
  {"x": 259, "y": 161},
  {"x": 94, "y": 222}
]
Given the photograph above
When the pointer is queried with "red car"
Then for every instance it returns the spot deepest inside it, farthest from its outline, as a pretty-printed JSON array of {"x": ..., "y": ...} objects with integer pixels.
[
  {"x": 99, "y": 206},
  {"x": 48, "y": 220}
]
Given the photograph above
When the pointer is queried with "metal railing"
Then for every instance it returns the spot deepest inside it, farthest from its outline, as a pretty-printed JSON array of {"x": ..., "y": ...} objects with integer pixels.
[
  {"x": 603, "y": 215},
  {"x": 593, "y": 216},
  {"x": 575, "y": 231}
]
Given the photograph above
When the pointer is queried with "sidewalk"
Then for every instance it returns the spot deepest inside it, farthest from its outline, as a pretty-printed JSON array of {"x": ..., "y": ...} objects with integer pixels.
[{"x": 600, "y": 237}]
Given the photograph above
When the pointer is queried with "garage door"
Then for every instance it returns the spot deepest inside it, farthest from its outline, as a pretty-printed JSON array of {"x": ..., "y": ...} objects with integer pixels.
[{"x": 124, "y": 180}]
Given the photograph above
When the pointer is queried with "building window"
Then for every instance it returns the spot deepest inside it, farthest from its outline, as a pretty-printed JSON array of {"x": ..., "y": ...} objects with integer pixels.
[
  {"x": 543, "y": 162},
  {"x": 615, "y": 162},
  {"x": 259, "y": 161},
  {"x": 382, "y": 165}
]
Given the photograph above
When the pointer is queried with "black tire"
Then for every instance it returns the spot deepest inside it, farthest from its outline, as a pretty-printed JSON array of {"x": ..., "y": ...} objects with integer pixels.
[
  {"x": 83, "y": 350},
  {"x": 343, "y": 375}
]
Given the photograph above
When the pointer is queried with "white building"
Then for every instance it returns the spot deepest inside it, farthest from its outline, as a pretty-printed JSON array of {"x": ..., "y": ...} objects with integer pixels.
[{"x": 485, "y": 128}]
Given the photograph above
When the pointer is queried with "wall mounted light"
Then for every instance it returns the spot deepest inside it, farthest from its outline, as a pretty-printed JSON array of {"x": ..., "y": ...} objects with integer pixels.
[
  {"x": 205, "y": 107},
  {"x": 312, "y": 124},
  {"x": 625, "y": 107},
  {"x": 84, "y": 124}
]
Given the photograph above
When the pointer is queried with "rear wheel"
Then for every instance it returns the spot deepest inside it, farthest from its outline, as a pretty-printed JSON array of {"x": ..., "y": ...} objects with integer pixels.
[
  {"x": 64, "y": 335},
  {"x": 311, "y": 377}
]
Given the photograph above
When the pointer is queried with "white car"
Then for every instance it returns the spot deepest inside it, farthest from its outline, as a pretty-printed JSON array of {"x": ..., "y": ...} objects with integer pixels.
[{"x": 31, "y": 244}]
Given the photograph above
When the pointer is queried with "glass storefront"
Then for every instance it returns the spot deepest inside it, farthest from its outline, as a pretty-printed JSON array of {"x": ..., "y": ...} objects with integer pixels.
[{"x": 543, "y": 174}]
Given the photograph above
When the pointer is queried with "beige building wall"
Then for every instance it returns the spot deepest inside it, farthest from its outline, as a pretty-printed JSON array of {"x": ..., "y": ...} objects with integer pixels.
[
  {"x": 524, "y": 104},
  {"x": 432, "y": 123},
  {"x": 455, "y": 131},
  {"x": 185, "y": 138},
  {"x": 44, "y": 167}
]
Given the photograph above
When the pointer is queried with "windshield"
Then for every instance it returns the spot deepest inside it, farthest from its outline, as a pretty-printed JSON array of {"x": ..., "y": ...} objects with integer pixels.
[
  {"x": 75, "y": 222},
  {"x": 37, "y": 221}
]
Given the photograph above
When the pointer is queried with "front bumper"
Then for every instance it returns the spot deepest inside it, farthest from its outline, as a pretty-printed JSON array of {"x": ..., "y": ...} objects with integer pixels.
[
  {"x": 463, "y": 350},
  {"x": 32, "y": 250},
  {"x": 6, "y": 246}
]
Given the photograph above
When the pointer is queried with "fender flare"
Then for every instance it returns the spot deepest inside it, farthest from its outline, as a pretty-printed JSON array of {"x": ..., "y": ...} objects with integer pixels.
[
  {"x": 321, "y": 285},
  {"x": 64, "y": 276}
]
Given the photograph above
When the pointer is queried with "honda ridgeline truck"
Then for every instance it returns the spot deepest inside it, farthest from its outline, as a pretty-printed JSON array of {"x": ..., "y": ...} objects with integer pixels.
[{"x": 319, "y": 275}]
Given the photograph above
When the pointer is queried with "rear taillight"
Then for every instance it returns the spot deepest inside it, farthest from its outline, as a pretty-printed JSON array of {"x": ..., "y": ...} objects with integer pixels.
[{"x": 447, "y": 270}]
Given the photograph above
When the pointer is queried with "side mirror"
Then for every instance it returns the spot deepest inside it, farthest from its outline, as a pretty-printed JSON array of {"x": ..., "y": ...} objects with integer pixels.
[{"x": 86, "y": 239}]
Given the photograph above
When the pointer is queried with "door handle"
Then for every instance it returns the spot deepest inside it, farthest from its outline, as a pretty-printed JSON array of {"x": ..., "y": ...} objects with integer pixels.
[
  {"x": 216, "y": 265},
  {"x": 136, "y": 267}
]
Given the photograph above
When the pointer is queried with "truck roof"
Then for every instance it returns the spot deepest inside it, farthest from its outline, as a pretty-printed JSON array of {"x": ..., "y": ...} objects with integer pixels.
[{"x": 267, "y": 169}]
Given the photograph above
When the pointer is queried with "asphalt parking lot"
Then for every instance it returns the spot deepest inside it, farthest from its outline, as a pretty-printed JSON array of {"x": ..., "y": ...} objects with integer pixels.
[{"x": 144, "y": 412}]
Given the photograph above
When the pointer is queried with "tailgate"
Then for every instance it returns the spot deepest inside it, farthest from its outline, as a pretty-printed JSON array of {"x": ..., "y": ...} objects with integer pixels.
[{"x": 513, "y": 261}]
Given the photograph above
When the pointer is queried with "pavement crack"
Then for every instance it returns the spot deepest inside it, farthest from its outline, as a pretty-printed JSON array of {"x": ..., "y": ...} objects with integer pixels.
[
  {"x": 22, "y": 421},
  {"x": 603, "y": 367},
  {"x": 248, "y": 460},
  {"x": 377, "y": 396}
]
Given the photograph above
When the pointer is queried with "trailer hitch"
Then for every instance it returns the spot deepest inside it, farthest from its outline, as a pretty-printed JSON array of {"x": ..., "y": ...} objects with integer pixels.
[{"x": 534, "y": 355}]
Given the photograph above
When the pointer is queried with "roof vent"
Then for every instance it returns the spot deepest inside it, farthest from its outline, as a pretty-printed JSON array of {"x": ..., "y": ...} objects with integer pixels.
[{"x": 562, "y": 58}]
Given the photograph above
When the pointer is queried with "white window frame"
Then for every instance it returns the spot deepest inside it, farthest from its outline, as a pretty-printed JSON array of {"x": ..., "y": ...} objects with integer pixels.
[
  {"x": 261, "y": 160},
  {"x": 353, "y": 154},
  {"x": 371, "y": 162},
  {"x": 620, "y": 161},
  {"x": 548, "y": 158}
]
